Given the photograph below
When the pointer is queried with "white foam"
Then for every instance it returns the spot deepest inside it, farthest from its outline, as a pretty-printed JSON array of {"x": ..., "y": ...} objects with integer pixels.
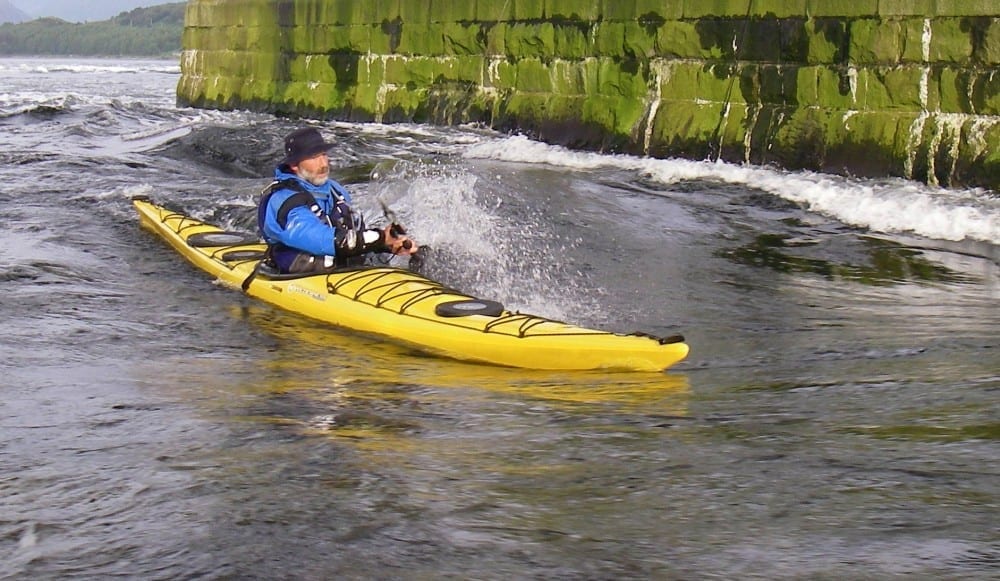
[
  {"x": 56, "y": 66},
  {"x": 894, "y": 205}
]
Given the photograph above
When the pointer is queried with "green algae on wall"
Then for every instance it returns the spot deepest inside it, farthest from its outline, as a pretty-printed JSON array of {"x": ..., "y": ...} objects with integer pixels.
[{"x": 869, "y": 87}]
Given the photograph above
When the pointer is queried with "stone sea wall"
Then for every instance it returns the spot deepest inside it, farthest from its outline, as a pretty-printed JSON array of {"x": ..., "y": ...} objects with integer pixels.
[{"x": 866, "y": 87}]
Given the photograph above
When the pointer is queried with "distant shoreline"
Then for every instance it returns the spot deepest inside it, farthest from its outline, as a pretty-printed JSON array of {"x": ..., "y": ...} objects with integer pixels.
[{"x": 143, "y": 32}]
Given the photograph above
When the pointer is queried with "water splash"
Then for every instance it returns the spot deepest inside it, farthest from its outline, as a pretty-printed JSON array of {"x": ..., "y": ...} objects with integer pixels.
[{"x": 478, "y": 245}]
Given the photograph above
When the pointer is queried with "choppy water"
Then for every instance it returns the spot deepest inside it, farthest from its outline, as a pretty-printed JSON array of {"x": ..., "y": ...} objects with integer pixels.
[{"x": 837, "y": 417}]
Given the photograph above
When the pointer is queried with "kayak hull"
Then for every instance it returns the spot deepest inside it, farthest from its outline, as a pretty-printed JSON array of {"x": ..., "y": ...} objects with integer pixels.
[{"x": 404, "y": 307}]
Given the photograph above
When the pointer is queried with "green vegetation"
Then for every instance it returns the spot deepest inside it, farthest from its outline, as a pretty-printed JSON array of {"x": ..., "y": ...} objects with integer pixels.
[{"x": 153, "y": 31}]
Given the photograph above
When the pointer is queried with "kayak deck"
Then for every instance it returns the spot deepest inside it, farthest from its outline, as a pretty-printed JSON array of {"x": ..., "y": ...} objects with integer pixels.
[{"x": 407, "y": 307}]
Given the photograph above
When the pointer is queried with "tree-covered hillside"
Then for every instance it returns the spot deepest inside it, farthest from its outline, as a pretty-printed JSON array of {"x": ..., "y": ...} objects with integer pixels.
[{"x": 153, "y": 31}]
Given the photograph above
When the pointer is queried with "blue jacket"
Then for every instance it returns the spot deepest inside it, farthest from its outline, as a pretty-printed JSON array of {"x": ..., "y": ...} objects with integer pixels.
[{"x": 304, "y": 230}]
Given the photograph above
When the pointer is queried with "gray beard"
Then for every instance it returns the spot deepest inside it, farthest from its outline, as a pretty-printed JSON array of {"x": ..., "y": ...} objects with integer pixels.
[{"x": 314, "y": 178}]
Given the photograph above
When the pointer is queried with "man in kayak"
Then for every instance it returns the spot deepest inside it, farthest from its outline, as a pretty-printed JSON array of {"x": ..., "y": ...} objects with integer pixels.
[{"x": 307, "y": 220}]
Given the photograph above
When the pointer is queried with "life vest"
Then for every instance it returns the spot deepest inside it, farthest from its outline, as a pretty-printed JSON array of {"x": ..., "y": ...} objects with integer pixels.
[{"x": 345, "y": 222}]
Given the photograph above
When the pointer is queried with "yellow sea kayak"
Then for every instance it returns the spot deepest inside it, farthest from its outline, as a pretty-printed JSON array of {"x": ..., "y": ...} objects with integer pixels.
[{"x": 409, "y": 308}]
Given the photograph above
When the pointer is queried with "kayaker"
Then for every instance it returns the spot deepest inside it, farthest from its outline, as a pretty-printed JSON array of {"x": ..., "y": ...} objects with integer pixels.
[{"x": 307, "y": 220}]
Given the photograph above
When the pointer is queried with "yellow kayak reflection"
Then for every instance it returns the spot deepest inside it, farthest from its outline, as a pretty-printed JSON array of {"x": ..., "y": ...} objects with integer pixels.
[{"x": 350, "y": 372}]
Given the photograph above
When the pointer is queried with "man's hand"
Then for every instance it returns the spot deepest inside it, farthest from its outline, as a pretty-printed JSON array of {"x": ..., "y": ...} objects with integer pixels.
[{"x": 397, "y": 242}]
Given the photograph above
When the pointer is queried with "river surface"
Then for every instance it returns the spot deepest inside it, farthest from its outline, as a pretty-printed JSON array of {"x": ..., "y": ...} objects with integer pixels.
[{"x": 837, "y": 416}]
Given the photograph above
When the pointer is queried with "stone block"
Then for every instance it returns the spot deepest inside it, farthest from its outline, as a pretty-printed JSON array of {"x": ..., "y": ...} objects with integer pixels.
[
  {"x": 311, "y": 98},
  {"x": 794, "y": 40},
  {"x": 694, "y": 81},
  {"x": 371, "y": 70},
  {"x": 302, "y": 39},
  {"x": 413, "y": 71},
  {"x": 252, "y": 13},
  {"x": 571, "y": 40},
  {"x": 214, "y": 13},
  {"x": 902, "y": 86},
  {"x": 649, "y": 11},
  {"x": 730, "y": 139},
  {"x": 395, "y": 70},
  {"x": 202, "y": 40},
  {"x": 988, "y": 53},
  {"x": 501, "y": 74},
  {"x": 316, "y": 68},
  {"x": 462, "y": 38},
  {"x": 524, "y": 111},
  {"x": 687, "y": 128},
  {"x": 719, "y": 37},
  {"x": 564, "y": 112},
  {"x": 195, "y": 14},
  {"x": 875, "y": 41},
  {"x": 385, "y": 10},
  {"x": 590, "y": 71},
  {"x": 828, "y": 40},
  {"x": 912, "y": 38},
  {"x": 528, "y": 10},
  {"x": 873, "y": 92},
  {"x": 715, "y": 9},
  {"x": 488, "y": 11},
  {"x": 533, "y": 76},
  {"x": 776, "y": 84},
  {"x": 382, "y": 40},
  {"x": 323, "y": 13},
  {"x": 638, "y": 41},
  {"x": 467, "y": 68},
  {"x": 876, "y": 142},
  {"x": 951, "y": 41},
  {"x": 953, "y": 89},
  {"x": 452, "y": 11},
  {"x": 978, "y": 163},
  {"x": 496, "y": 38},
  {"x": 259, "y": 38},
  {"x": 749, "y": 83},
  {"x": 614, "y": 79},
  {"x": 841, "y": 88},
  {"x": 618, "y": 117},
  {"x": 677, "y": 39},
  {"x": 985, "y": 95},
  {"x": 257, "y": 89},
  {"x": 778, "y": 8},
  {"x": 367, "y": 97},
  {"x": 842, "y": 8},
  {"x": 415, "y": 12},
  {"x": 421, "y": 39},
  {"x": 609, "y": 40},
  {"x": 966, "y": 7},
  {"x": 333, "y": 38},
  {"x": 895, "y": 8},
  {"x": 568, "y": 78},
  {"x": 807, "y": 86},
  {"x": 402, "y": 104},
  {"x": 573, "y": 10},
  {"x": 759, "y": 39},
  {"x": 524, "y": 40}
]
